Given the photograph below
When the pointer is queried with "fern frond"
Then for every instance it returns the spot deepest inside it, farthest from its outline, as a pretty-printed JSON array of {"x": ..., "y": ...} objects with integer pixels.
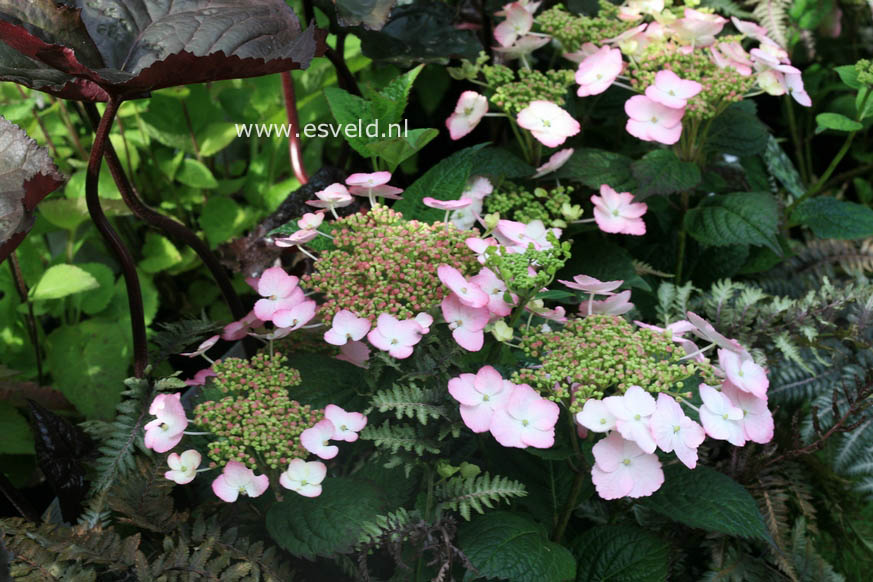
[
  {"x": 411, "y": 401},
  {"x": 173, "y": 338},
  {"x": 463, "y": 494},
  {"x": 395, "y": 438},
  {"x": 808, "y": 564},
  {"x": 643, "y": 268},
  {"x": 773, "y": 15},
  {"x": 385, "y": 528}
]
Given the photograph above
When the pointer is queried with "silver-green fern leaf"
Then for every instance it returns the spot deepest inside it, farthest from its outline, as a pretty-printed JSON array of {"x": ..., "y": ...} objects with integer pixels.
[{"x": 464, "y": 494}]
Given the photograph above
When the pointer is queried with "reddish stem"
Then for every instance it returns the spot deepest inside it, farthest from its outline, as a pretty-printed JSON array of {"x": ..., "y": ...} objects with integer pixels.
[
  {"x": 114, "y": 242},
  {"x": 295, "y": 151}
]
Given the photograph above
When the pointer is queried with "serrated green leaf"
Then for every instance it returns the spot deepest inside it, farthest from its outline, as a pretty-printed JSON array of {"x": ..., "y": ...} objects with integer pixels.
[
  {"x": 781, "y": 167},
  {"x": 159, "y": 254},
  {"x": 620, "y": 553},
  {"x": 738, "y": 218},
  {"x": 706, "y": 499},
  {"x": 221, "y": 219},
  {"x": 17, "y": 438},
  {"x": 662, "y": 172},
  {"x": 445, "y": 181},
  {"x": 836, "y": 122},
  {"x": 594, "y": 167},
  {"x": 62, "y": 280},
  {"x": 832, "y": 218},
  {"x": 510, "y": 546},
  {"x": 738, "y": 131},
  {"x": 193, "y": 173},
  {"x": 328, "y": 524},
  {"x": 499, "y": 164}
]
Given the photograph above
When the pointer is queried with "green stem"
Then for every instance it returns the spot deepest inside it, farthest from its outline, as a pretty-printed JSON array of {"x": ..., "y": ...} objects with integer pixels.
[
  {"x": 795, "y": 137},
  {"x": 521, "y": 141},
  {"x": 578, "y": 482},
  {"x": 683, "y": 236}
]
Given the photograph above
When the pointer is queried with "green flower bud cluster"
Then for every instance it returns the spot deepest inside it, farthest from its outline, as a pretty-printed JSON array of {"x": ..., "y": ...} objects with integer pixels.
[
  {"x": 513, "y": 268},
  {"x": 603, "y": 355},
  {"x": 383, "y": 263},
  {"x": 512, "y": 96},
  {"x": 257, "y": 423},
  {"x": 720, "y": 86},
  {"x": 498, "y": 75},
  {"x": 573, "y": 30},
  {"x": 865, "y": 71},
  {"x": 523, "y": 205},
  {"x": 469, "y": 70}
]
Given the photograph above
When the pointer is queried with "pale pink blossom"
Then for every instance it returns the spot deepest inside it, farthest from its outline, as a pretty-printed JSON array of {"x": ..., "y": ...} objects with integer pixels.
[
  {"x": 300, "y": 237},
  {"x": 495, "y": 289},
  {"x": 595, "y": 416},
  {"x": 355, "y": 353},
  {"x": 165, "y": 432},
  {"x": 591, "y": 285},
  {"x": 617, "y": 304},
  {"x": 304, "y": 477},
  {"x": 651, "y": 121},
  {"x": 316, "y": 439},
  {"x": 697, "y": 29},
  {"x": 518, "y": 23},
  {"x": 632, "y": 411},
  {"x": 346, "y": 327},
  {"x": 446, "y": 204},
  {"x": 675, "y": 331},
  {"x": 469, "y": 111},
  {"x": 238, "y": 479},
  {"x": 480, "y": 395},
  {"x": 721, "y": 419},
  {"x": 676, "y": 433},
  {"x": 757, "y": 420},
  {"x": 467, "y": 323},
  {"x": 705, "y": 331},
  {"x": 237, "y": 330},
  {"x": 548, "y": 123},
  {"x": 477, "y": 188},
  {"x": 558, "y": 314},
  {"x": 586, "y": 50},
  {"x": 622, "y": 469},
  {"x": 295, "y": 317},
  {"x": 183, "y": 468},
  {"x": 556, "y": 161},
  {"x": 200, "y": 377},
  {"x": 744, "y": 373},
  {"x": 480, "y": 246},
  {"x": 346, "y": 425},
  {"x": 516, "y": 236},
  {"x": 467, "y": 292},
  {"x": 670, "y": 90},
  {"x": 772, "y": 82},
  {"x": 732, "y": 54},
  {"x": 617, "y": 213},
  {"x": 528, "y": 420},
  {"x": 334, "y": 196},
  {"x": 311, "y": 220},
  {"x": 202, "y": 348},
  {"x": 524, "y": 45},
  {"x": 597, "y": 72},
  {"x": 425, "y": 320},
  {"x": 374, "y": 184},
  {"x": 635, "y": 9},
  {"x": 531, "y": 7},
  {"x": 751, "y": 29},
  {"x": 794, "y": 85},
  {"x": 395, "y": 336},
  {"x": 279, "y": 291}
]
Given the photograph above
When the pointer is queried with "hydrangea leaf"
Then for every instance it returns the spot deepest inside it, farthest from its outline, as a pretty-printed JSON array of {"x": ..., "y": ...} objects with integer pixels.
[
  {"x": 738, "y": 131},
  {"x": 706, "y": 499},
  {"x": 832, "y": 218},
  {"x": 594, "y": 167},
  {"x": 781, "y": 167},
  {"x": 17, "y": 439},
  {"x": 328, "y": 524},
  {"x": 510, "y": 546},
  {"x": 129, "y": 48},
  {"x": 737, "y": 218},
  {"x": 62, "y": 280},
  {"x": 620, "y": 553},
  {"x": 836, "y": 122},
  {"x": 27, "y": 175},
  {"x": 662, "y": 172}
]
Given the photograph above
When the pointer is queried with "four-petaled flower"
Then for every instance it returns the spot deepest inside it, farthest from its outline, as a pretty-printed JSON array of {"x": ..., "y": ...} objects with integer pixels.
[
  {"x": 651, "y": 121},
  {"x": 744, "y": 373},
  {"x": 598, "y": 71},
  {"x": 346, "y": 425},
  {"x": 304, "y": 477},
  {"x": 238, "y": 479},
  {"x": 279, "y": 291},
  {"x": 595, "y": 416},
  {"x": 548, "y": 123},
  {"x": 518, "y": 23},
  {"x": 316, "y": 439},
  {"x": 632, "y": 412},
  {"x": 346, "y": 327},
  {"x": 721, "y": 419},
  {"x": 480, "y": 395},
  {"x": 165, "y": 432},
  {"x": 672, "y": 91},
  {"x": 395, "y": 336},
  {"x": 469, "y": 111},
  {"x": 617, "y": 213},
  {"x": 675, "y": 432},
  {"x": 622, "y": 469},
  {"x": 467, "y": 292},
  {"x": 467, "y": 323},
  {"x": 528, "y": 420},
  {"x": 183, "y": 468}
]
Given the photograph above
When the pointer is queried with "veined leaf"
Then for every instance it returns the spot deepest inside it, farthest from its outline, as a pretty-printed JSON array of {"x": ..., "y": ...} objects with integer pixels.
[{"x": 738, "y": 218}]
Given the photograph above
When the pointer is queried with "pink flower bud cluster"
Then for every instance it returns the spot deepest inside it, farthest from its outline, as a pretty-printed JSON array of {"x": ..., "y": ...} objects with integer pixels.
[{"x": 385, "y": 264}]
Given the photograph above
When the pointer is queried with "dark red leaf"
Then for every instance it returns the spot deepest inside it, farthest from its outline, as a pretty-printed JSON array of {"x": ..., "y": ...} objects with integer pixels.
[
  {"x": 27, "y": 175},
  {"x": 128, "y": 48}
]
